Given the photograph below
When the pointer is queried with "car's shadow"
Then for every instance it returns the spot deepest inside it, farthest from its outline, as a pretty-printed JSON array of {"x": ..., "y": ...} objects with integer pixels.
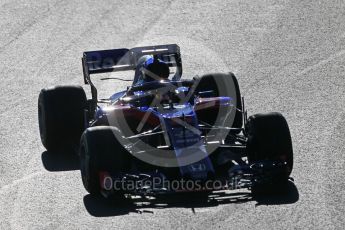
[
  {"x": 101, "y": 207},
  {"x": 60, "y": 161}
]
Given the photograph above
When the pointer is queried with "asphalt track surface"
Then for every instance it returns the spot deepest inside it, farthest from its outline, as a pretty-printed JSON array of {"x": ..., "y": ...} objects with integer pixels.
[{"x": 288, "y": 56}]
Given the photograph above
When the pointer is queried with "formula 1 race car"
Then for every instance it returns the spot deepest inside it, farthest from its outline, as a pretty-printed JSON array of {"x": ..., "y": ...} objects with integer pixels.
[{"x": 163, "y": 134}]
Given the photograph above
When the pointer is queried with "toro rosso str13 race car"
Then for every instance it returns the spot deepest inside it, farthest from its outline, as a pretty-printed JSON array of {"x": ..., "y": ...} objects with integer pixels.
[{"x": 163, "y": 134}]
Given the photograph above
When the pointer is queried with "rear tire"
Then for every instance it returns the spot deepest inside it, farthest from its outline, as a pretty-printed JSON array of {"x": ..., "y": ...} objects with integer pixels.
[
  {"x": 101, "y": 151},
  {"x": 221, "y": 84},
  {"x": 61, "y": 117},
  {"x": 269, "y": 139}
]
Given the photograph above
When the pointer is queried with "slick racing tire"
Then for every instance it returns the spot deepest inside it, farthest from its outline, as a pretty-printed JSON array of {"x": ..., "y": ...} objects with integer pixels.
[
  {"x": 61, "y": 117},
  {"x": 269, "y": 139},
  {"x": 100, "y": 151},
  {"x": 220, "y": 84}
]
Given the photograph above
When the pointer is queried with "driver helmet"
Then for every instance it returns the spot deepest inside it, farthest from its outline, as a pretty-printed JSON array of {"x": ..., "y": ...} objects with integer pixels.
[{"x": 150, "y": 68}]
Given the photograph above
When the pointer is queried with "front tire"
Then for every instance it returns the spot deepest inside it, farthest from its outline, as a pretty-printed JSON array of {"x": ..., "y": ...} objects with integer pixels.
[
  {"x": 269, "y": 139},
  {"x": 101, "y": 151}
]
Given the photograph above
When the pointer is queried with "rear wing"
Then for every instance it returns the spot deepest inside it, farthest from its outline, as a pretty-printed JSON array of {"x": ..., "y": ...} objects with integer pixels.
[{"x": 102, "y": 61}]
